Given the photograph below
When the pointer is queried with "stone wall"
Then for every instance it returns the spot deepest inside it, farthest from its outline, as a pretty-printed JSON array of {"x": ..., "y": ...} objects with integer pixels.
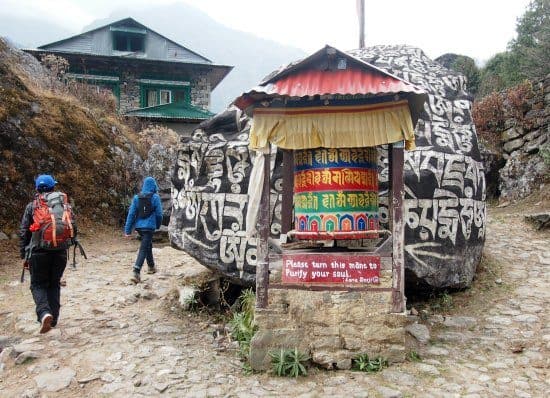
[
  {"x": 129, "y": 92},
  {"x": 332, "y": 327},
  {"x": 523, "y": 139},
  {"x": 200, "y": 91}
]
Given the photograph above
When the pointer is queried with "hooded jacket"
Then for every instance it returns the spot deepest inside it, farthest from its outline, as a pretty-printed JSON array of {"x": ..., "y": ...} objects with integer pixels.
[{"x": 154, "y": 220}]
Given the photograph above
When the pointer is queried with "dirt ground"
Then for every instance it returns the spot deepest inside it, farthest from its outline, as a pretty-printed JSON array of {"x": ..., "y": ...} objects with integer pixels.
[{"x": 119, "y": 339}]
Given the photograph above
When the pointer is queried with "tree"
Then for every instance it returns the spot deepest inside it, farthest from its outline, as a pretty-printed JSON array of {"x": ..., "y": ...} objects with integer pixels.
[
  {"x": 500, "y": 72},
  {"x": 464, "y": 65},
  {"x": 532, "y": 44},
  {"x": 528, "y": 55}
]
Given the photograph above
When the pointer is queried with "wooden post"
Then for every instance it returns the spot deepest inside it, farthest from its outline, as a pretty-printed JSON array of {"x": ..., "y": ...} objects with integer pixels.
[
  {"x": 395, "y": 173},
  {"x": 288, "y": 192},
  {"x": 263, "y": 226}
]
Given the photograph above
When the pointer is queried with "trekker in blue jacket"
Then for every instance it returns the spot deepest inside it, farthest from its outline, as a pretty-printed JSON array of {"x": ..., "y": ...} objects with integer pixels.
[{"x": 145, "y": 215}]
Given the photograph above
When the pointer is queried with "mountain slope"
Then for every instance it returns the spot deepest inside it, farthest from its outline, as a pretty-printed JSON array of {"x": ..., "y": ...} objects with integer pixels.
[{"x": 90, "y": 152}]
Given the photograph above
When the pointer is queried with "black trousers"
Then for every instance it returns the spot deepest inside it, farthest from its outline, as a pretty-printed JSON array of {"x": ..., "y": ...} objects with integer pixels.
[{"x": 46, "y": 271}]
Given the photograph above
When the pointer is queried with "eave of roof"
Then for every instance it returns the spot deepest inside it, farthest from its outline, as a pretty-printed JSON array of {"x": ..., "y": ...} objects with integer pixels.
[
  {"x": 217, "y": 72},
  {"x": 173, "y": 111}
]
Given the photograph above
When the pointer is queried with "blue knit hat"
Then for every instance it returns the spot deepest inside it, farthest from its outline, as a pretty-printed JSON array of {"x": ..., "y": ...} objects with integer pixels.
[{"x": 45, "y": 181}]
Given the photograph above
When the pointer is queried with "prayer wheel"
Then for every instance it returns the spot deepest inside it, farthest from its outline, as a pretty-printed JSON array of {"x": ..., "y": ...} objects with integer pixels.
[{"x": 335, "y": 193}]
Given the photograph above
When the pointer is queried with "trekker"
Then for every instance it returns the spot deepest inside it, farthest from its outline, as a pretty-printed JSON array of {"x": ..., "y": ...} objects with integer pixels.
[
  {"x": 145, "y": 215},
  {"x": 46, "y": 233}
]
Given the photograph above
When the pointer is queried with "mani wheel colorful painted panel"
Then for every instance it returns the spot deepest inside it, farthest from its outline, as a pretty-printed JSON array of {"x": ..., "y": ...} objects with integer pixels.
[{"x": 335, "y": 193}]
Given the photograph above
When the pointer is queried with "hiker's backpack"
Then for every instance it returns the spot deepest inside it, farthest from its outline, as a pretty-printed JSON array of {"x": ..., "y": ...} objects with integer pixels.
[
  {"x": 52, "y": 227},
  {"x": 145, "y": 205}
]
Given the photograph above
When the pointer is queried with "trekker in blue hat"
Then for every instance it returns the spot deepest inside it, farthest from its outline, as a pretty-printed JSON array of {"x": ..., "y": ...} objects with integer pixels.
[
  {"x": 46, "y": 233},
  {"x": 145, "y": 215}
]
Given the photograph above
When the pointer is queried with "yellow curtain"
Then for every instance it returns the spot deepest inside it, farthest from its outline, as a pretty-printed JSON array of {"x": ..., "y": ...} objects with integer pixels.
[{"x": 333, "y": 126}]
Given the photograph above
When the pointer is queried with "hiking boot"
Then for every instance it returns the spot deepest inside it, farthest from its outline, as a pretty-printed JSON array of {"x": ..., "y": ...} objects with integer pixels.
[
  {"x": 135, "y": 278},
  {"x": 46, "y": 323},
  {"x": 152, "y": 270}
]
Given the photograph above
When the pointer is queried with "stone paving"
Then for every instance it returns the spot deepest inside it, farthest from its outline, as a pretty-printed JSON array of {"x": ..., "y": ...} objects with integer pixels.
[{"x": 118, "y": 339}]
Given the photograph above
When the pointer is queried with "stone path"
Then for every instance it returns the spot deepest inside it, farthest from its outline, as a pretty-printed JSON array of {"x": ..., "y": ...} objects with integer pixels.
[{"x": 118, "y": 339}]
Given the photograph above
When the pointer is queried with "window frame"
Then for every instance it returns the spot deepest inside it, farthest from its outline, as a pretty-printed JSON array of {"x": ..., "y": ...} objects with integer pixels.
[{"x": 145, "y": 87}]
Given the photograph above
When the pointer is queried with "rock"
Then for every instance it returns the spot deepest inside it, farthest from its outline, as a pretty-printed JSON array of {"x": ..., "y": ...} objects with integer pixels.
[
  {"x": 511, "y": 133},
  {"x": 419, "y": 331},
  {"x": 535, "y": 145},
  {"x": 3, "y": 236},
  {"x": 511, "y": 146},
  {"x": 31, "y": 393},
  {"x": 539, "y": 220},
  {"x": 437, "y": 351},
  {"x": 56, "y": 380},
  {"x": 4, "y": 341},
  {"x": 386, "y": 392},
  {"x": 526, "y": 318},
  {"x": 160, "y": 387},
  {"x": 187, "y": 296},
  {"x": 25, "y": 357},
  {"x": 26, "y": 346},
  {"x": 462, "y": 322},
  {"x": 434, "y": 254},
  {"x": 428, "y": 369},
  {"x": 5, "y": 354},
  {"x": 400, "y": 378}
]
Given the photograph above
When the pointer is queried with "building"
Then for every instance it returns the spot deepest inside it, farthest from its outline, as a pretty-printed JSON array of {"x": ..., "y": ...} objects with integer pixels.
[{"x": 152, "y": 77}]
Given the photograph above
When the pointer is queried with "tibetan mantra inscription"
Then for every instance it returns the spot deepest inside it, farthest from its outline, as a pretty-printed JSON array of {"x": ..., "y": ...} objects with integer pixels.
[
  {"x": 335, "y": 190},
  {"x": 330, "y": 268}
]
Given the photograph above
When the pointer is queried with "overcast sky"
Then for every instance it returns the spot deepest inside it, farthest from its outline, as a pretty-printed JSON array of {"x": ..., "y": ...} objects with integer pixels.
[{"x": 478, "y": 28}]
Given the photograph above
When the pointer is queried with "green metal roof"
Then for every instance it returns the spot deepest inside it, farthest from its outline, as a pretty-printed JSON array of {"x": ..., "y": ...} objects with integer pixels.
[{"x": 175, "y": 111}]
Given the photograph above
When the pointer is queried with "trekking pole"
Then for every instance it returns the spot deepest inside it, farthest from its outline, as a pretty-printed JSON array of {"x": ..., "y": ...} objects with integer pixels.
[
  {"x": 25, "y": 266},
  {"x": 82, "y": 252}
]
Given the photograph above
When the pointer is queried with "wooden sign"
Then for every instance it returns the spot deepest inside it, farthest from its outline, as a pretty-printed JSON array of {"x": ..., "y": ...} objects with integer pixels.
[{"x": 330, "y": 268}]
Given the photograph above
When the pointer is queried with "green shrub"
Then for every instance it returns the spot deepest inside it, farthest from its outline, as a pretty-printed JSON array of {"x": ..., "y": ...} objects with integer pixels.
[
  {"x": 291, "y": 363},
  {"x": 242, "y": 325},
  {"x": 363, "y": 363}
]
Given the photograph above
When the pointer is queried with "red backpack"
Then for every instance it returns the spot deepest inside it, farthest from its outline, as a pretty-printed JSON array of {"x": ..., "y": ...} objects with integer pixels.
[{"x": 53, "y": 221}]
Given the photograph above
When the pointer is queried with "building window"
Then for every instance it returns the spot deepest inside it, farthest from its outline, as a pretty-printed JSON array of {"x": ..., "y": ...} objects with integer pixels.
[
  {"x": 151, "y": 98},
  {"x": 165, "y": 96},
  {"x": 124, "y": 41},
  {"x": 178, "y": 96},
  {"x": 162, "y": 95}
]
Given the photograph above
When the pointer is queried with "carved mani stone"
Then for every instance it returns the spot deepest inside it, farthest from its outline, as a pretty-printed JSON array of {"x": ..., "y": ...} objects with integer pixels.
[{"x": 444, "y": 207}]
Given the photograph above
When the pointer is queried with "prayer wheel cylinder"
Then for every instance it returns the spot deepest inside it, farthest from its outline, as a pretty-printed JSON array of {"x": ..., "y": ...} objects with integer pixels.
[{"x": 335, "y": 193}]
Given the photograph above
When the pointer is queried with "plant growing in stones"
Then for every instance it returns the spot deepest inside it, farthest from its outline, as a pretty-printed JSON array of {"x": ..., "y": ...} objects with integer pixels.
[
  {"x": 289, "y": 362},
  {"x": 242, "y": 324},
  {"x": 443, "y": 302},
  {"x": 363, "y": 363},
  {"x": 413, "y": 356}
]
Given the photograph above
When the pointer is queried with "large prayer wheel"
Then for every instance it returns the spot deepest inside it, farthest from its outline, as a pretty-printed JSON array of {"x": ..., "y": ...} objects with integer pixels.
[{"x": 335, "y": 193}]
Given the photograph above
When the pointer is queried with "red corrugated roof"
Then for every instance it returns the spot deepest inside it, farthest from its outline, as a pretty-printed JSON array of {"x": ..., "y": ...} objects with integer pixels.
[
  {"x": 346, "y": 81},
  {"x": 319, "y": 74}
]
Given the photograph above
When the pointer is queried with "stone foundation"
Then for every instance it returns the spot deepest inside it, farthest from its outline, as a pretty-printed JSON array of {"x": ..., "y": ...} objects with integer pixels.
[{"x": 331, "y": 327}]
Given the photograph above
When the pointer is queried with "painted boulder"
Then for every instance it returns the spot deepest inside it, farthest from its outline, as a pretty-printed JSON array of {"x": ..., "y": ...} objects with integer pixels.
[
  {"x": 444, "y": 184},
  {"x": 209, "y": 197}
]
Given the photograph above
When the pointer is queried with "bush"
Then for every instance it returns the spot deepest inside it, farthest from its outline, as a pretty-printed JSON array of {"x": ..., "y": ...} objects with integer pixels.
[
  {"x": 491, "y": 111},
  {"x": 242, "y": 324},
  {"x": 363, "y": 363},
  {"x": 291, "y": 363}
]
